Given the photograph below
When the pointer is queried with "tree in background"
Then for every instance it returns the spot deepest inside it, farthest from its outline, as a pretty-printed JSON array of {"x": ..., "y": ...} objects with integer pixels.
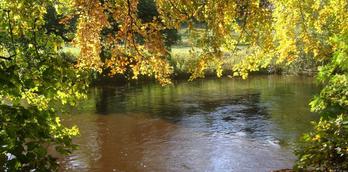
[{"x": 147, "y": 10}]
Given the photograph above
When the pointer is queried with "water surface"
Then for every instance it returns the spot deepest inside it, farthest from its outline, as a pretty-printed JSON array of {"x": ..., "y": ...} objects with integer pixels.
[{"x": 204, "y": 125}]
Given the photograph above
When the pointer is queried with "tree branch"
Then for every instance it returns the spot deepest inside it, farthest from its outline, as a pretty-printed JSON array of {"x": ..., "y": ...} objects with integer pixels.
[
  {"x": 35, "y": 40},
  {"x": 132, "y": 23},
  {"x": 243, "y": 28},
  {"x": 11, "y": 37},
  {"x": 6, "y": 58}
]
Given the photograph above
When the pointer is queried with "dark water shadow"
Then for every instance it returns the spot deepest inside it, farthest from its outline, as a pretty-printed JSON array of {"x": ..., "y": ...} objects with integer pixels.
[{"x": 242, "y": 115}]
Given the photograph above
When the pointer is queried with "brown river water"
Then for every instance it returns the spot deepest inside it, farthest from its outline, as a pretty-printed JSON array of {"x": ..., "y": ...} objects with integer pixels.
[{"x": 212, "y": 125}]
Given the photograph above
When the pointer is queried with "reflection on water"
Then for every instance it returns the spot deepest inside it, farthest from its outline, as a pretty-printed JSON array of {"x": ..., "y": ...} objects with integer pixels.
[{"x": 205, "y": 125}]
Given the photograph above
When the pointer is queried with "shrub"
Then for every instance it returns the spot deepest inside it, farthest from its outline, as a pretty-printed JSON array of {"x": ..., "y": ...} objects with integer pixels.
[{"x": 326, "y": 147}]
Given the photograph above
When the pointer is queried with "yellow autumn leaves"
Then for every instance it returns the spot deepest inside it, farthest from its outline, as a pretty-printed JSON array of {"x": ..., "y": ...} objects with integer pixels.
[{"x": 275, "y": 31}]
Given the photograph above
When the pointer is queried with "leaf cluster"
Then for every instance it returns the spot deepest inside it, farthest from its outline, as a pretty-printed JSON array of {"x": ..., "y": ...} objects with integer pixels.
[
  {"x": 37, "y": 79},
  {"x": 326, "y": 147}
]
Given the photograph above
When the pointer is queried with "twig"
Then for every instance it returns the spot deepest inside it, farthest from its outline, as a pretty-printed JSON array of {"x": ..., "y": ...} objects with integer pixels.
[
  {"x": 131, "y": 27},
  {"x": 35, "y": 42},
  {"x": 11, "y": 36},
  {"x": 7, "y": 58},
  {"x": 243, "y": 29}
]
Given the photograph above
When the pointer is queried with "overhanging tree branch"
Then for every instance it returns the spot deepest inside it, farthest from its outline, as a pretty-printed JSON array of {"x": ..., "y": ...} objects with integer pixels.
[
  {"x": 10, "y": 30},
  {"x": 6, "y": 58}
]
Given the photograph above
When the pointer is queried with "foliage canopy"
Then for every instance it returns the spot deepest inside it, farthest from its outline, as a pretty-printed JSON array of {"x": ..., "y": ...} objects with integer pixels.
[{"x": 37, "y": 79}]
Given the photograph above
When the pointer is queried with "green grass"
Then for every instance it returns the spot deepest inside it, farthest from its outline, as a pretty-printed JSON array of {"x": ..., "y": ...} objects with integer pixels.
[
  {"x": 73, "y": 50},
  {"x": 181, "y": 58}
]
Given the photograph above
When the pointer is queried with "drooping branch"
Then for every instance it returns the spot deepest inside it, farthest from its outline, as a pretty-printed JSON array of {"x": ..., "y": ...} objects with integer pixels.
[
  {"x": 6, "y": 58},
  {"x": 177, "y": 9},
  {"x": 35, "y": 39},
  {"x": 243, "y": 28},
  {"x": 10, "y": 30},
  {"x": 131, "y": 29}
]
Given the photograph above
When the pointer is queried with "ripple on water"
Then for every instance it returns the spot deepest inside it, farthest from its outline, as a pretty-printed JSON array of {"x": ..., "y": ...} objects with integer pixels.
[{"x": 199, "y": 126}]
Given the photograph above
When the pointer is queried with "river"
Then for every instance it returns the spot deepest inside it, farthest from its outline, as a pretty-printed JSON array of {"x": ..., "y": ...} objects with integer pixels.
[{"x": 205, "y": 125}]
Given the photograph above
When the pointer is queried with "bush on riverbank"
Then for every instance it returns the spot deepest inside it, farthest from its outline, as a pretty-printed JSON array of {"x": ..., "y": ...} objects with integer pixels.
[{"x": 326, "y": 147}]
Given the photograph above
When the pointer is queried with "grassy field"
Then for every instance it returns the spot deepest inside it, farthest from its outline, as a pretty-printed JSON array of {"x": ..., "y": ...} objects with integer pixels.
[
  {"x": 180, "y": 53},
  {"x": 74, "y": 51},
  {"x": 181, "y": 58}
]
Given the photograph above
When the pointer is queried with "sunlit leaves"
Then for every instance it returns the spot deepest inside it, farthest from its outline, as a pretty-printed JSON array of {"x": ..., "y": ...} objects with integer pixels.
[
  {"x": 272, "y": 31},
  {"x": 225, "y": 24},
  {"x": 335, "y": 77},
  {"x": 37, "y": 79},
  {"x": 325, "y": 148},
  {"x": 305, "y": 27},
  {"x": 91, "y": 22},
  {"x": 136, "y": 45}
]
